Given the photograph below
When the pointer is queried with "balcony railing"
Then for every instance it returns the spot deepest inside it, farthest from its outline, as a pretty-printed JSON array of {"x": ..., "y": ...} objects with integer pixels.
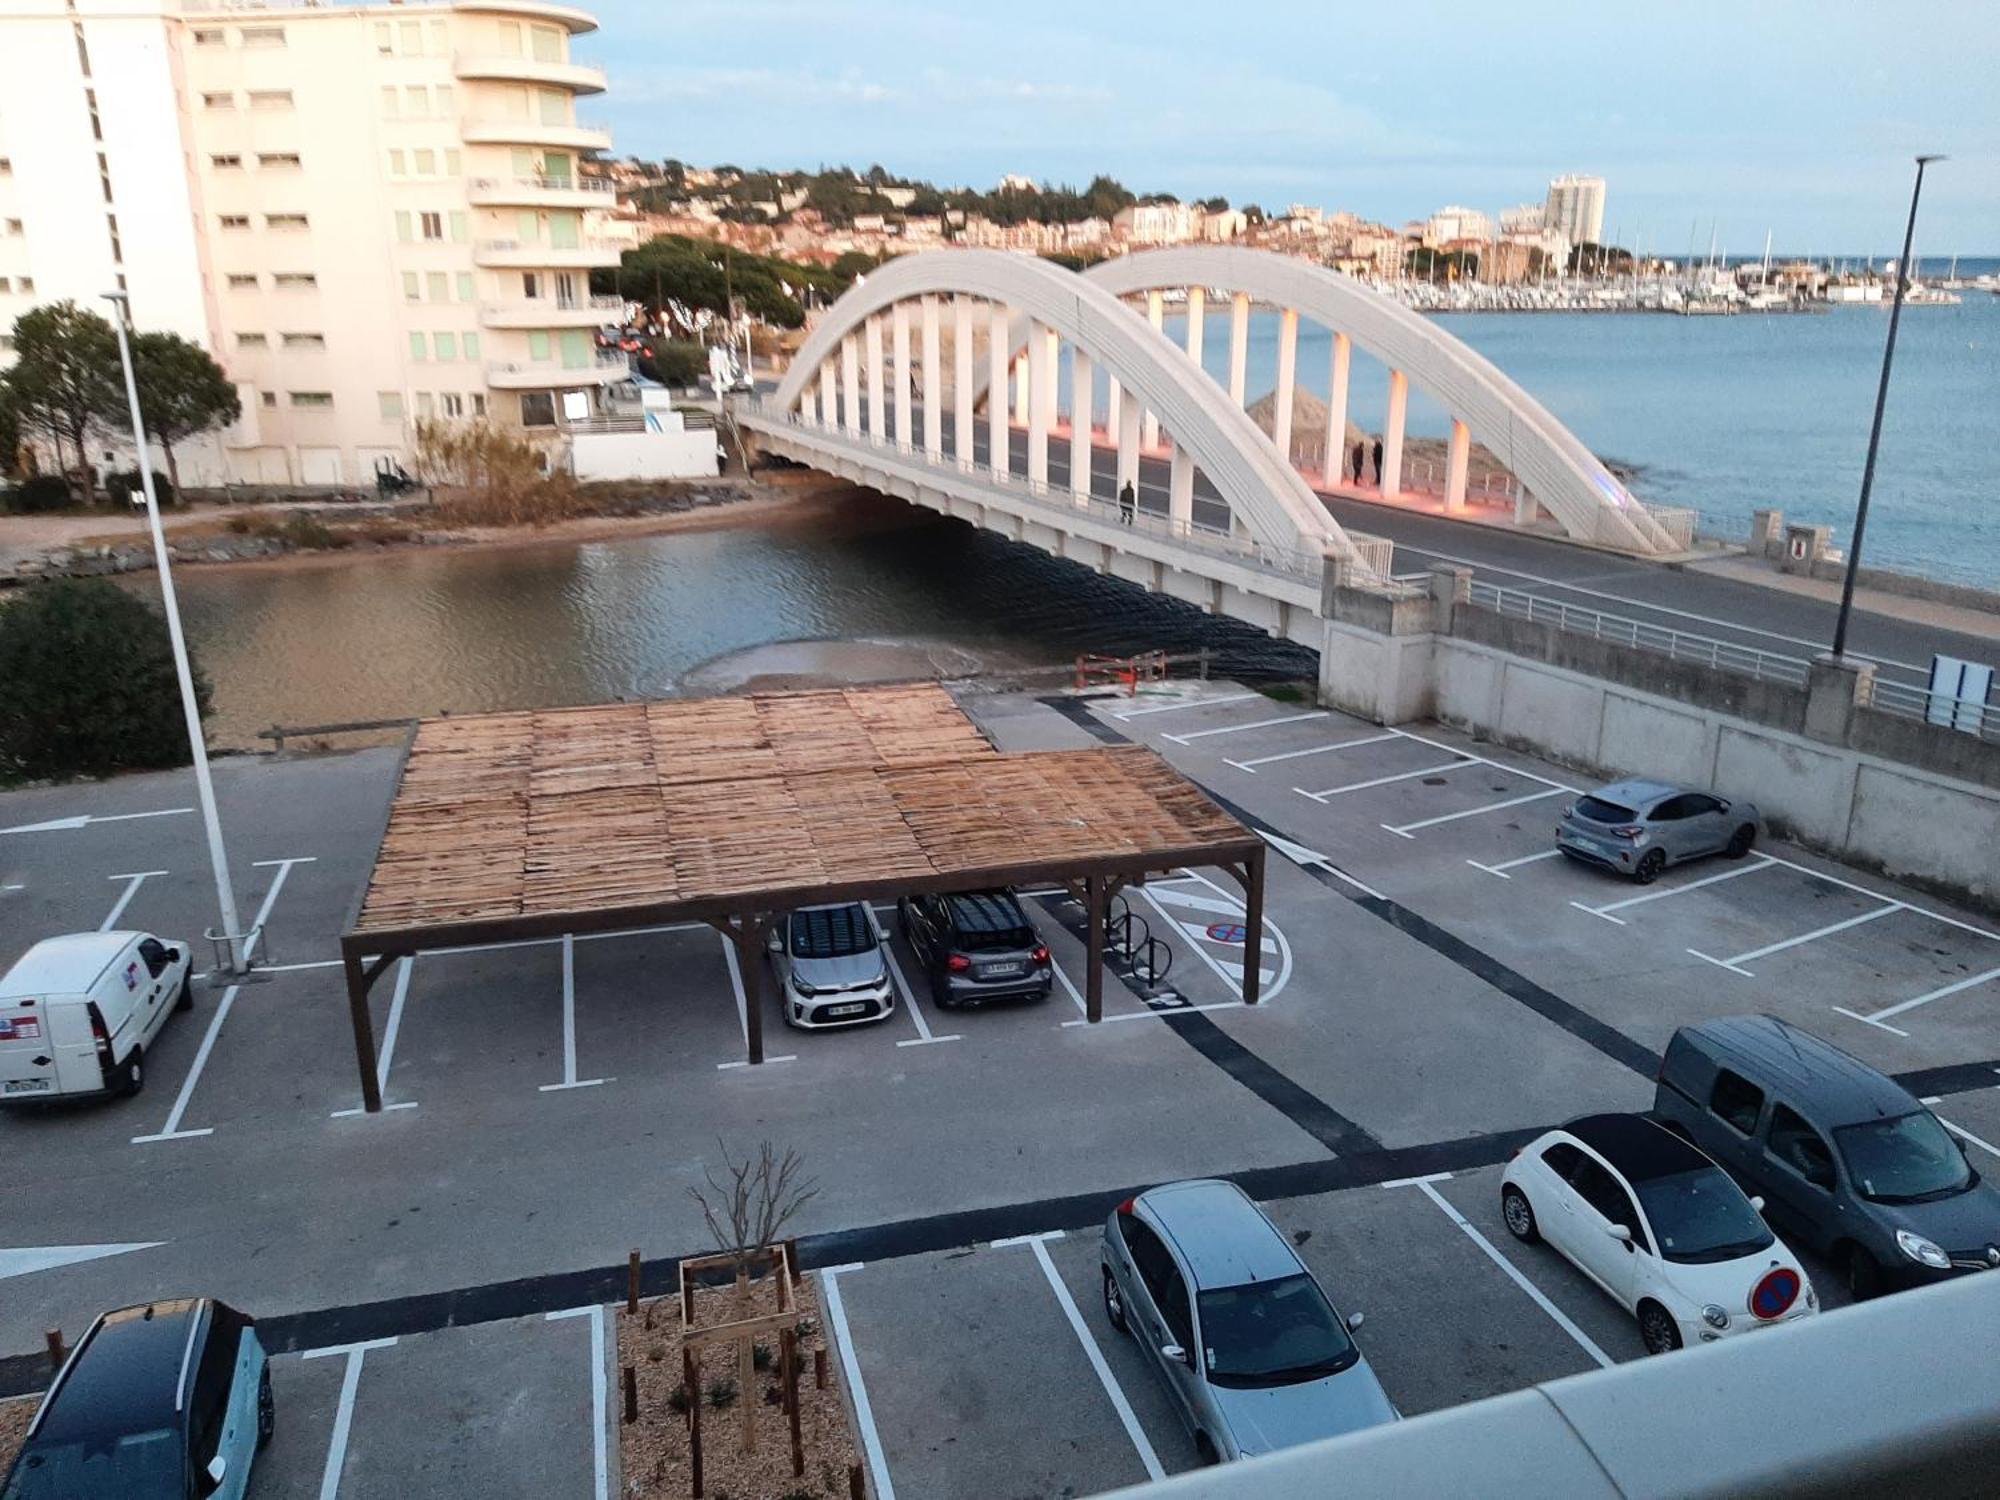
[
  {"x": 547, "y": 184},
  {"x": 510, "y": 247}
]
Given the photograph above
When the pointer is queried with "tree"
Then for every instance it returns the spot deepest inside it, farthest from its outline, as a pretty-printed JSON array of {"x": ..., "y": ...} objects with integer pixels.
[
  {"x": 762, "y": 1195},
  {"x": 1252, "y": 214},
  {"x": 1217, "y": 205},
  {"x": 182, "y": 393},
  {"x": 65, "y": 373},
  {"x": 90, "y": 684}
]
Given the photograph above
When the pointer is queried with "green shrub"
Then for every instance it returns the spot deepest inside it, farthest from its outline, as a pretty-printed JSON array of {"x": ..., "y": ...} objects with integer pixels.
[
  {"x": 40, "y": 492},
  {"x": 722, "y": 1393},
  {"x": 90, "y": 685},
  {"x": 309, "y": 533},
  {"x": 126, "y": 487}
]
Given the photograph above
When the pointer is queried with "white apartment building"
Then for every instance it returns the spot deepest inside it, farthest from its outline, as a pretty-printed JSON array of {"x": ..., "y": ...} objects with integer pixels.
[
  {"x": 1575, "y": 209},
  {"x": 1158, "y": 223},
  {"x": 1454, "y": 222},
  {"x": 369, "y": 214}
]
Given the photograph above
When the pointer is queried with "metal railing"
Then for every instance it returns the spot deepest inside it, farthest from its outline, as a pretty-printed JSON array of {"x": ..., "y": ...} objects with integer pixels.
[
  {"x": 1678, "y": 645},
  {"x": 552, "y": 184},
  {"x": 1907, "y": 700},
  {"x": 509, "y": 247}
]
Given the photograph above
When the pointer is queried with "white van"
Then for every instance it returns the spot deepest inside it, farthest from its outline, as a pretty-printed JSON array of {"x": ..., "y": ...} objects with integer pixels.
[{"x": 78, "y": 1012}]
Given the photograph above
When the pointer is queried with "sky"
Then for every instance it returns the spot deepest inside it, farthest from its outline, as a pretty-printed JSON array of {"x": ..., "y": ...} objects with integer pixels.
[{"x": 1795, "y": 116}]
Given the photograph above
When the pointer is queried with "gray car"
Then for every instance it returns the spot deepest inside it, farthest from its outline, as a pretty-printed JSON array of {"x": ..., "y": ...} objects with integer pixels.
[
  {"x": 1849, "y": 1163},
  {"x": 1252, "y": 1353},
  {"x": 1638, "y": 828},
  {"x": 832, "y": 967}
]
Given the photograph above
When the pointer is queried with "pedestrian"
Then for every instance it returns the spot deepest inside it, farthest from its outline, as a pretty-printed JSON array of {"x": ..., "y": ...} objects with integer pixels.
[
  {"x": 1360, "y": 461},
  {"x": 1128, "y": 503},
  {"x": 1378, "y": 461}
]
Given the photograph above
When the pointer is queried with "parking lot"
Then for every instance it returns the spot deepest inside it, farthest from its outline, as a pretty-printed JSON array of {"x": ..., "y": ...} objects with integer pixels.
[{"x": 1436, "y": 982}]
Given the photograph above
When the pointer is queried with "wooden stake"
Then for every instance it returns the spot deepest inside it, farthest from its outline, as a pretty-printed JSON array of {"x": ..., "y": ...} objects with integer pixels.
[
  {"x": 746, "y": 1391},
  {"x": 692, "y": 1381},
  {"x": 857, "y": 1489},
  {"x": 819, "y": 1369},
  {"x": 57, "y": 1354},
  {"x": 788, "y": 1359},
  {"x": 792, "y": 1260},
  {"x": 632, "y": 1283},
  {"x": 631, "y": 1396}
]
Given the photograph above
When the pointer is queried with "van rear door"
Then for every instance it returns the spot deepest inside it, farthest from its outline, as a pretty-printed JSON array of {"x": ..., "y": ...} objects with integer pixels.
[{"x": 27, "y": 1050}]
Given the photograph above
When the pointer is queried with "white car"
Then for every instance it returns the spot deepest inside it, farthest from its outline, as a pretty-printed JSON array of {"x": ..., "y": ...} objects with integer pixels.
[{"x": 1661, "y": 1228}]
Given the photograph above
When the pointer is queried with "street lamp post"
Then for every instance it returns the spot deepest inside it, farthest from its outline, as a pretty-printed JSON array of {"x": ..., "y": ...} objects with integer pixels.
[
  {"x": 1875, "y": 431},
  {"x": 218, "y": 858}
]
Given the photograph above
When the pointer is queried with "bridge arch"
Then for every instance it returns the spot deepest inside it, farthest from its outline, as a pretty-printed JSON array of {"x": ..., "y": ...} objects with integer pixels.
[{"x": 1266, "y": 496}]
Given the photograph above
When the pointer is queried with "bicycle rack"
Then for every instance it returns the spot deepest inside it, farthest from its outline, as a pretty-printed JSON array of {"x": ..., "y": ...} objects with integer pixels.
[
  {"x": 1126, "y": 935},
  {"x": 220, "y": 957},
  {"x": 1153, "y": 960}
]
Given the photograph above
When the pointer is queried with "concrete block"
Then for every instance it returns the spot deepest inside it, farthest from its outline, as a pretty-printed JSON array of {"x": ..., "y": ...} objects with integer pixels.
[
  {"x": 1561, "y": 714},
  {"x": 1836, "y": 686},
  {"x": 1809, "y": 792},
  {"x": 1647, "y": 737},
  {"x": 1939, "y": 833},
  {"x": 1468, "y": 685}
]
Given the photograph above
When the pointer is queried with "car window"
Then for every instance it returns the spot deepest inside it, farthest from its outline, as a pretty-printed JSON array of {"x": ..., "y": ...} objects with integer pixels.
[
  {"x": 213, "y": 1376},
  {"x": 1699, "y": 804},
  {"x": 1561, "y": 1159},
  {"x": 1701, "y": 1216},
  {"x": 1798, "y": 1146},
  {"x": 133, "y": 1463},
  {"x": 1602, "y": 1192},
  {"x": 1174, "y": 1308},
  {"x": 831, "y": 932},
  {"x": 1673, "y": 810},
  {"x": 1599, "y": 811},
  {"x": 1149, "y": 1255},
  {"x": 1909, "y": 1159},
  {"x": 154, "y": 955},
  {"x": 1736, "y": 1101},
  {"x": 1272, "y": 1333}
]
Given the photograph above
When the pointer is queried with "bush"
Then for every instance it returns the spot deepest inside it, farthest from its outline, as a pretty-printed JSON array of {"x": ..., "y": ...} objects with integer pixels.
[
  {"x": 126, "y": 487},
  {"x": 40, "y": 492},
  {"x": 90, "y": 684},
  {"x": 722, "y": 1393},
  {"x": 675, "y": 362}
]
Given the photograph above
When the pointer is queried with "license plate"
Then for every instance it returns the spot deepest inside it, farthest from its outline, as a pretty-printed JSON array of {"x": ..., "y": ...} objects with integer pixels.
[
  {"x": 846, "y": 1010},
  {"x": 1000, "y": 971},
  {"x": 23, "y": 1030},
  {"x": 28, "y": 1086}
]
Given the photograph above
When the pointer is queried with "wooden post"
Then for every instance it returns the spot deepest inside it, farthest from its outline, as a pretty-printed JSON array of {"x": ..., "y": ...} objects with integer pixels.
[
  {"x": 792, "y": 1260},
  {"x": 57, "y": 1353},
  {"x": 358, "y": 986},
  {"x": 632, "y": 1283},
  {"x": 819, "y": 1369},
  {"x": 746, "y": 1393},
  {"x": 631, "y": 1395},
  {"x": 1253, "y": 925},
  {"x": 857, "y": 1488},
  {"x": 788, "y": 1360},
  {"x": 1093, "y": 979},
  {"x": 690, "y": 1378},
  {"x": 750, "y": 961}
]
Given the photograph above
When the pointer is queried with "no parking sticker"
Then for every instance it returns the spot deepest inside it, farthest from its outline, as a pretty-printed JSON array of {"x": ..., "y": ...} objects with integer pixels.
[
  {"x": 1775, "y": 1294},
  {"x": 1228, "y": 932}
]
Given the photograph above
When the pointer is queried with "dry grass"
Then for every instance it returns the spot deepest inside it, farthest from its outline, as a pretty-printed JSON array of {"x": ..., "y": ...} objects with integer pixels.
[
  {"x": 14, "y": 1419},
  {"x": 489, "y": 476}
]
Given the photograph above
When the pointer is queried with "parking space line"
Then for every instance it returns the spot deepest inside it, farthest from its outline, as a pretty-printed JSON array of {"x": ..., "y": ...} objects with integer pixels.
[
  {"x": 1362, "y": 786},
  {"x": 1038, "y": 1244},
  {"x": 132, "y": 884},
  {"x": 570, "y": 1080},
  {"x": 1888, "y": 908},
  {"x": 923, "y": 1036},
  {"x": 1234, "y": 982},
  {"x": 172, "y": 1131},
  {"x": 1562, "y": 1321},
  {"x": 1167, "y": 708},
  {"x": 388, "y": 1052},
  {"x": 1764, "y": 862},
  {"x": 284, "y": 868},
  {"x": 1497, "y": 765},
  {"x": 343, "y": 1413},
  {"x": 1408, "y": 830},
  {"x": 1265, "y": 760},
  {"x": 1855, "y": 1015},
  {"x": 1202, "y": 734},
  {"x": 1987, "y": 1146},
  {"x": 601, "y": 1466},
  {"x": 742, "y": 1008},
  {"x": 857, "y": 1389},
  {"x": 1505, "y": 865},
  {"x": 1922, "y": 911},
  {"x": 84, "y": 820},
  {"x": 1950, "y": 989},
  {"x": 1166, "y": 1010}
]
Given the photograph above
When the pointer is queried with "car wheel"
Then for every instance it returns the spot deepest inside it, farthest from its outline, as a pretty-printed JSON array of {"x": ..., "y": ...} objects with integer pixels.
[
  {"x": 267, "y": 1409},
  {"x": 1114, "y": 1303},
  {"x": 185, "y": 999},
  {"x": 131, "y": 1075},
  {"x": 1650, "y": 864},
  {"x": 1740, "y": 841},
  {"x": 1657, "y": 1329},
  {"x": 941, "y": 995},
  {"x": 1519, "y": 1215},
  {"x": 1864, "y": 1277}
]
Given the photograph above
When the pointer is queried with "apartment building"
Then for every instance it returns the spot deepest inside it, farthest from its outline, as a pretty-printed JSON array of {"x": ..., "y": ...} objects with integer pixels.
[
  {"x": 368, "y": 213},
  {"x": 1575, "y": 208}
]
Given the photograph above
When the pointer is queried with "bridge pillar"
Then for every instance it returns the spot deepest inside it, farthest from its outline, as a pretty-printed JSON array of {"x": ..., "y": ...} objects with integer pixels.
[
  {"x": 1082, "y": 400},
  {"x": 1392, "y": 434},
  {"x": 961, "y": 380},
  {"x": 997, "y": 442},
  {"x": 1336, "y": 408},
  {"x": 1197, "y": 316},
  {"x": 1114, "y": 399},
  {"x": 899, "y": 321},
  {"x": 933, "y": 385},
  {"x": 872, "y": 362},
  {"x": 1021, "y": 389},
  {"x": 1288, "y": 371},
  {"x": 850, "y": 387},
  {"x": 1180, "y": 489},
  {"x": 829, "y": 396},
  {"x": 1458, "y": 458},
  {"x": 1128, "y": 446},
  {"x": 1041, "y": 400},
  {"x": 1156, "y": 314},
  {"x": 809, "y": 406},
  {"x": 1239, "y": 344}
]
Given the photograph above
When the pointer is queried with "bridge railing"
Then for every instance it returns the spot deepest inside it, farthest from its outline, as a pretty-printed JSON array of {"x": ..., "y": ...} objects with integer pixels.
[
  {"x": 1679, "y": 645},
  {"x": 1909, "y": 701}
]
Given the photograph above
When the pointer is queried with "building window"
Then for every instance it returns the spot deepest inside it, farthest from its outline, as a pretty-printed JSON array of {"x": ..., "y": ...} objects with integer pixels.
[
  {"x": 531, "y": 285},
  {"x": 295, "y": 279},
  {"x": 403, "y": 225},
  {"x": 437, "y": 282},
  {"x": 389, "y": 110},
  {"x": 277, "y": 158},
  {"x": 251, "y": 341},
  {"x": 391, "y": 404},
  {"x": 454, "y": 404},
  {"x": 426, "y": 404},
  {"x": 411, "y": 40},
  {"x": 465, "y": 293},
  {"x": 452, "y": 161},
  {"x": 312, "y": 398},
  {"x": 270, "y": 98},
  {"x": 26, "y": 284},
  {"x": 6, "y": 286},
  {"x": 439, "y": 44},
  {"x": 432, "y": 225},
  {"x": 225, "y": 163},
  {"x": 538, "y": 347},
  {"x": 270, "y": 398},
  {"x": 444, "y": 98},
  {"x": 548, "y": 44},
  {"x": 242, "y": 283},
  {"x": 233, "y": 221},
  {"x": 416, "y": 100},
  {"x": 459, "y": 228},
  {"x": 510, "y": 38},
  {"x": 13, "y": 227},
  {"x": 412, "y": 289},
  {"x": 471, "y": 342},
  {"x": 6, "y": 343},
  {"x": 396, "y": 167},
  {"x": 417, "y": 350},
  {"x": 284, "y": 221},
  {"x": 538, "y": 409},
  {"x": 218, "y": 101},
  {"x": 207, "y": 36},
  {"x": 262, "y": 36},
  {"x": 424, "y": 162},
  {"x": 447, "y": 345},
  {"x": 305, "y": 341},
  {"x": 479, "y": 403}
]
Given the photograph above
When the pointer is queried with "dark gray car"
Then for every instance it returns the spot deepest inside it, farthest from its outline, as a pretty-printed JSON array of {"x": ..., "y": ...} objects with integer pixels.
[
  {"x": 1638, "y": 828},
  {"x": 1848, "y": 1162},
  {"x": 1253, "y": 1355}
]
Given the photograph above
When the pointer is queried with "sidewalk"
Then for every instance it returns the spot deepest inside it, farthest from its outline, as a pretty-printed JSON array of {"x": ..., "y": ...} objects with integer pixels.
[{"x": 1955, "y": 617}]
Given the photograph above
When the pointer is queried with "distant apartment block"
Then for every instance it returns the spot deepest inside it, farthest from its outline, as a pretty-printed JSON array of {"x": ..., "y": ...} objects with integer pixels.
[
  {"x": 369, "y": 214},
  {"x": 1574, "y": 208},
  {"x": 1157, "y": 223}
]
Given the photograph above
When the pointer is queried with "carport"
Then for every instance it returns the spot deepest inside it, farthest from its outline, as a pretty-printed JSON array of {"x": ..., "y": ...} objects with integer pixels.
[{"x": 520, "y": 827}]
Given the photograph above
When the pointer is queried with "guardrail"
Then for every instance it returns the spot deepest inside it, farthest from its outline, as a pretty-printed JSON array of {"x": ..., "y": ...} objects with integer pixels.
[
  {"x": 1908, "y": 701},
  {"x": 1678, "y": 645}
]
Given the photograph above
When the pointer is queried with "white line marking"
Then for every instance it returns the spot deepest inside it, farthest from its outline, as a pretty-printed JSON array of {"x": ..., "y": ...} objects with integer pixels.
[
  {"x": 1095, "y": 1355},
  {"x": 570, "y": 1080},
  {"x": 1856, "y": 1015},
  {"x": 1234, "y": 984},
  {"x": 1950, "y": 989},
  {"x": 1495, "y": 764},
  {"x": 1026, "y": 1239},
  {"x": 172, "y": 1129},
  {"x": 1303, "y": 857},
  {"x": 165, "y": 812},
  {"x": 1508, "y": 864},
  {"x": 1265, "y": 760},
  {"x": 1408, "y": 829},
  {"x": 84, "y": 820},
  {"x": 585, "y": 937},
  {"x": 343, "y": 1415},
  {"x": 1271, "y": 930},
  {"x": 1362, "y": 786},
  {"x": 132, "y": 884},
  {"x": 1583, "y": 1340},
  {"x": 1202, "y": 734},
  {"x": 1197, "y": 932},
  {"x": 923, "y": 1036},
  {"x": 389, "y": 1033},
  {"x": 1396, "y": 1182},
  {"x": 1168, "y": 1010},
  {"x": 1922, "y": 911},
  {"x": 1720, "y": 963},
  {"x": 1889, "y": 908},
  {"x": 857, "y": 1389},
  {"x": 1987, "y": 1146},
  {"x": 1082, "y": 1008},
  {"x": 1222, "y": 905},
  {"x": 742, "y": 1008},
  {"x": 284, "y": 867},
  {"x": 1763, "y": 862},
  {"x": 1167, "y": 708},
  {"x": 599, "y": 1406}
]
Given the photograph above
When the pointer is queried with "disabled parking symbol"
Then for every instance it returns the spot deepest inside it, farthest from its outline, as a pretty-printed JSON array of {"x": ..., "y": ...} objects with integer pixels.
[{"x": 1228, "y": 932}]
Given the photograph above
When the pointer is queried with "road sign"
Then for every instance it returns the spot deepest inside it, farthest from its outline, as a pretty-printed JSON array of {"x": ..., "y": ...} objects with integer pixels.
[{"x": 1228, "y": 932}]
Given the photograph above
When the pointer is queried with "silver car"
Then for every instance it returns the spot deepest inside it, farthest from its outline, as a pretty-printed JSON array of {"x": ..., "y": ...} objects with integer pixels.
[
  {"x": 832, "y": 967},
  {"x": 1638, "y": 828},
  {"x": 1253, "y": 1355}
]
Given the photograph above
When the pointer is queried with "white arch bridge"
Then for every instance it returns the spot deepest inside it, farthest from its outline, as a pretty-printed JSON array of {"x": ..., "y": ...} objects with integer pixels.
[{"x": 1217, "y": 512}]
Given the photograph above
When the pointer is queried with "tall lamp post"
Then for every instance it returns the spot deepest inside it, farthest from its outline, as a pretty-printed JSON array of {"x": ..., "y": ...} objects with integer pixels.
[
  {"x": 218, "y": 858},
  {"x": 1875, "y": 432}
]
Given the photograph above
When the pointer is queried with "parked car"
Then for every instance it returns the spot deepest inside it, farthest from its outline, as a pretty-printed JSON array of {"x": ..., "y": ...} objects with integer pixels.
[
  {"x": 1638, "y": 828},
  {"x": 78, "y": 1012},
  {"x": 1252, "y": 1353},
  {"x": 166, "y": 1401},
  {"x": 1658, "y": 1226},
  {"x": 832, "y": 968},
  {"x": 976, "y": 947},
  {"x": 1854, "y": 1168}
]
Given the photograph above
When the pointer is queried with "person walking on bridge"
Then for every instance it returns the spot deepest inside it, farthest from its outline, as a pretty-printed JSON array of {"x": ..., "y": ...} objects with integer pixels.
[
  {"x": 1360, "y": 461},
  {"x": 1378, "y": 463},
  {"x": 1128, "y": 503}
]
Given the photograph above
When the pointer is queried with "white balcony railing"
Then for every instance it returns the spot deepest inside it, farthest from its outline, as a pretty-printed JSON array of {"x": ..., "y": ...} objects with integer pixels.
[{"x": 546, "y": 184}]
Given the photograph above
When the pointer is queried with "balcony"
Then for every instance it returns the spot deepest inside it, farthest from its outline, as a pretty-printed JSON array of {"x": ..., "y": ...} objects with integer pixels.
[
  {"x": 608, "y": 368},
  {"x": 551, "y": 312},
  {"x": 541, "y": 192},
  {"x": 534, "y": 133},
  {"x": 578, "y": 78},
  {"x": 521, "y": 255},
  {"x": 569, "y": 17}
]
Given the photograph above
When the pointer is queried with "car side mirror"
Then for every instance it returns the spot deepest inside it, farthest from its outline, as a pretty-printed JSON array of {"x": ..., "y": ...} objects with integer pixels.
[
  {"x": 173, "y": 955},
  {"x": 1353, "y": 1321},
  {"x": 1758, "y": 1203},
  {"x": 218, "y": 1469},
  {"x": 1620, "y": 1232},
  {"x": 774, "y": 940},
  {"x": 1173, "y": 1352}
]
